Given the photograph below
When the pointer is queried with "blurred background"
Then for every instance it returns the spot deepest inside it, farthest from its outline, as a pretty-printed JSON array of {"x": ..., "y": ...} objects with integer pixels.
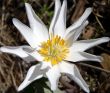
[{"x": 13, "y": 69}]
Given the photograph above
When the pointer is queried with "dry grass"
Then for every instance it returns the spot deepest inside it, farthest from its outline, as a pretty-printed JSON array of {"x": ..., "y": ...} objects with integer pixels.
[{"x": 13, "y": 69}]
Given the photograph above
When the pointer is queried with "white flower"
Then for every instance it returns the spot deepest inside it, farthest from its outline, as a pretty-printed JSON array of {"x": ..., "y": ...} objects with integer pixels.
[{"x": 54, "y": 48}]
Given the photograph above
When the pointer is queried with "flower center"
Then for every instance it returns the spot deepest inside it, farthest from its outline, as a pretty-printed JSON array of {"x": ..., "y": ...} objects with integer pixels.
[{"x": 54, "y": 50}]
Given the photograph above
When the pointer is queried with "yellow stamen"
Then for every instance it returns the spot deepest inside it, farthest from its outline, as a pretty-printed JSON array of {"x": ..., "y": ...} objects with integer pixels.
[{"x": 54, "y": 50}]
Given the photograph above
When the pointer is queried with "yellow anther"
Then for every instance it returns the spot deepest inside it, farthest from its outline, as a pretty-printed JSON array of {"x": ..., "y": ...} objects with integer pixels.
[{"x": 54, "y": 50}]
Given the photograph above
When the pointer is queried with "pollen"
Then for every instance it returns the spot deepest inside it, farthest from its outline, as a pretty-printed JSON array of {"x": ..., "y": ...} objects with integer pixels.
[{"x": 54, "y": 50}]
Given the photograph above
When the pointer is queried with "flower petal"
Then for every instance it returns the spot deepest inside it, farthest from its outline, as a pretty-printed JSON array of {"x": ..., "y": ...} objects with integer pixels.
[
  {"x": 73, "y": 35},
  {"x": 91, "y": 57},
  {"x": 18, "y": 51},
  {"x": 38, "y": 27},
  {"x": 82, "y": 56},
  {"x": 61, "y": 21},
  {"x": 53, "y": 75},
  {"x": 73, "y": 72},
  {"x": 33, "y": 74},
  {"x": 35, "y": 55},
  {"x": 26, "y": 32},
  {"x": 80, "y": 21},
  {"x": 83, "y": 45},
  {"x": 55, "y": 17},
  {"x": 45, "y": 65}
]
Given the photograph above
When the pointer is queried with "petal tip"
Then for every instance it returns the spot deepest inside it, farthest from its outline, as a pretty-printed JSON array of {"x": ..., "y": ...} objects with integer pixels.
[
  {"x": 100, "y": 59},
  {"x": 87, "y": 22},
  {"x": 89, "y": 9},
  {"x": 14, "y": 20},
  {"x": 1, "y": 49},
  {"x": 19, "y": 88},
  {"x": 27, "y": 4},
  {"x": 87, "y": 90},
  {"x": 106, "y": 39}
]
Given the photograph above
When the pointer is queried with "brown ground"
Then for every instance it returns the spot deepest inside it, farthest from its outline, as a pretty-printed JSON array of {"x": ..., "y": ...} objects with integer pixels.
[{"x": 13, "y": 69}]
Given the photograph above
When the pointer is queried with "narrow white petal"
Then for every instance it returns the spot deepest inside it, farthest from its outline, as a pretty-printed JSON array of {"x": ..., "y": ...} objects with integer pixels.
[
  {"x": 83, "y": 45},
  {"x": 38, "y": 27},
  {"x": 73, "y": 35},
  {"x": 60, "y": 25},
  {"x": 35, "y": 55},
  {"x": 80, "y": 20},
  {"x": 55, "y": 17},
  {"x": 26, "y": 32},
  {"x": 73, "y": 72},
  {"x": 14, "y": 50},
  {"x": 82, "y": 56},
  {"x": 53, "y": 75},
  {"x": 18, "y": 51},
  {"x": 90, "y": 57},
  {"x": 33, "y": 74}
]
